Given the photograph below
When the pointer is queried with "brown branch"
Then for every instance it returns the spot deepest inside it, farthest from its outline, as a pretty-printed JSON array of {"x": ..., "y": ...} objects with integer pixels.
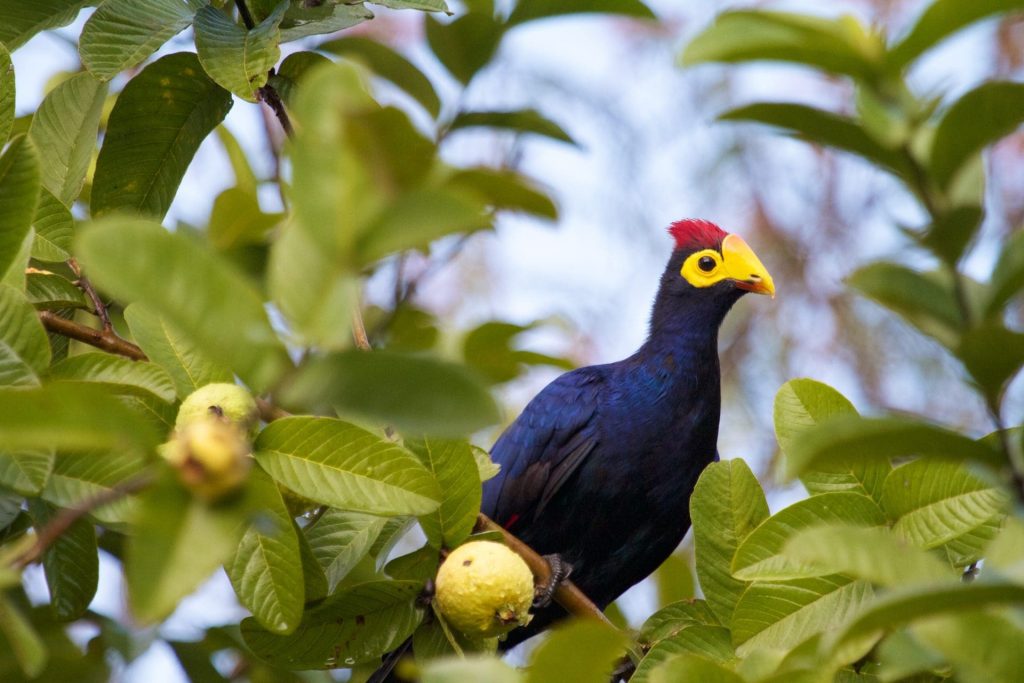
[
  {"x": 49, "y": 534},
  {"x": 99, "y": 308},
  {"x": 101, "y": 339},
  {"x": 269, "y": 412},
  {"x": 359, "y": 330},
  {"x": 272, "y": 99},
  {"x": 567, "y": 595}
]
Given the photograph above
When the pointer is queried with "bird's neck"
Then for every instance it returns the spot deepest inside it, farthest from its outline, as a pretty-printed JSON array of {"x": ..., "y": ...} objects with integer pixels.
[{"x": 684, "y": 330}]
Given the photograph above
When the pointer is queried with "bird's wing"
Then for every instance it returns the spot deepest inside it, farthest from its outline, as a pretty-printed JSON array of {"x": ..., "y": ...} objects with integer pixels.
[{"x": 543, "y": 447}]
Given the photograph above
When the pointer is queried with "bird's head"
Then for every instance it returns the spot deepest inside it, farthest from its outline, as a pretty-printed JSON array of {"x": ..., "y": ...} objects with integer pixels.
[{"x": 709, "y": 271}]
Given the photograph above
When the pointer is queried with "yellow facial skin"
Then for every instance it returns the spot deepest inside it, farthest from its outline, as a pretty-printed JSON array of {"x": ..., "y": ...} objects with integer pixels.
[{"x": 737, "y": 262}]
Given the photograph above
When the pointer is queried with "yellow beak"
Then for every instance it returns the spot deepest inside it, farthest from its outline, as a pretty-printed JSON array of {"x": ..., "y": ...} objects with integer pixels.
[{"x": 744, "y": 268}]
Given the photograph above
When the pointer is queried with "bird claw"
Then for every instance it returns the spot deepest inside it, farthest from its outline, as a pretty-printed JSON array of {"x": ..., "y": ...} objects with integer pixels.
[{"x": 560, "y": 572}]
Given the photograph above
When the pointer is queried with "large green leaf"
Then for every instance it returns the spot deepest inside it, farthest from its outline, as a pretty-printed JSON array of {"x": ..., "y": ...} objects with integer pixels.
[
  {"x": 238, "y": 59},
  {"x": 50, "y": 291},
  {"x": 454, "y": 466},
  {"x": 939, "y": 20},
  {"x": 338, "y": 464},
  {"x": 340, "y": 539},
  {"x": 921, "y": 298},
  {"x": 803, "y": 403},
  {"x": 121, "y": 374},
  {"x": 266, "y": 568},
  {"x": 466, "y": 45},
  {"x": 64, "y": 130},
  {"x": 20, "y": 20},
  {"x": 19, "y": 193},
  {"x": 162, "y": 564},
  {"x": 518, "y": 121},
  {"x": 416, "y": 394},
  {"x": 237, "y": 220},
  {"x": 309, "y": 19},
  {"x": 760, "y": 556},
  {"x": 188, "y": 367},
  {"x": 849, "y": 437},
  {"x": 840, "y": 46},
  {"x": 670, "y": 620},
  {"x": 355, "y": 625},
  {"x": 66, "y": 416},
  {"x": 138, "y": 261},
  {"x": 28, "y": 648},
  {"x": 1007, "y": 275},
  {"x": 24, "y": 350},
  {"x": 141, "y": 165},
  {"x": 25, "y": 471},
  {"x": 479, "y": 668},
  {"x": 505, "y": 190},
  {"x": 981, "y": 647},
  {"x": 871, "y": 553},
  {"x": 81, "y": 476},
  {"x": 71, "y": 564},
  {"x": 6, "y": 94},
  {"x": 123, "y": 33},
  {"x": 54, "y": 227},
  {"x": 976, "y": 120},
  {"x": 530, "y": 10},
  {"x": 710, "y": 642},
  {"x": 934, "y": 502},
  {"x": 388, "y": 64},
  {"x": 783, "y": 615},
  {"x": 584, "y": 650},
  {"x": 727, "y": 504},
  {"x": 993, "y": 355},
  {"x": 822, "y": 127},
  {"x": 689, "y": 667}
]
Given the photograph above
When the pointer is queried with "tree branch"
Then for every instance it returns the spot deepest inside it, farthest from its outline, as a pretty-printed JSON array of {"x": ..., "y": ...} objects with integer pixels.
[
  {"x": 268, "y": 94},
  {"x": 102, "y": 339},
  {"x": 99, "y": 307}
]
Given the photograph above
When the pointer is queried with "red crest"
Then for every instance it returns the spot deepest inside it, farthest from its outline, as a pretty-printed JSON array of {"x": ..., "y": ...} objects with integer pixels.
[{"x": 694, "y": 233}]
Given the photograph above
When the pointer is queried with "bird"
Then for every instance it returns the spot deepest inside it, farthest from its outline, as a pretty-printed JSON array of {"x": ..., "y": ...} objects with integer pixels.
[{"x": 597, "y": 471}]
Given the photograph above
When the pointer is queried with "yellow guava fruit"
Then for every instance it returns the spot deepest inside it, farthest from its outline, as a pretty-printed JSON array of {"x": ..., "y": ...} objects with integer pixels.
[
  {"x": 483, "y": 589},
  {"x": 228, "y": 402},
  {"x": 212, "y": 457}
]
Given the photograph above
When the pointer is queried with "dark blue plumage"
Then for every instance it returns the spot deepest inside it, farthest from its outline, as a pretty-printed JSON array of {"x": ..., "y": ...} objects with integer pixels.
[{"x": 600, "y": 465}]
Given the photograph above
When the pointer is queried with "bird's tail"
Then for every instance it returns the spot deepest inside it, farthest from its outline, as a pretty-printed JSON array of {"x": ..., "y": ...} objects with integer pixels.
[{"x": 385, "y": 673}]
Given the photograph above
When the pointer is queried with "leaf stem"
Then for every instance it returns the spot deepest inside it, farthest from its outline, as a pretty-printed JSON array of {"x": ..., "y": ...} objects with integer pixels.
[
  {"x": 106, "y": 339},
  {"x": 99, "y": 308}
]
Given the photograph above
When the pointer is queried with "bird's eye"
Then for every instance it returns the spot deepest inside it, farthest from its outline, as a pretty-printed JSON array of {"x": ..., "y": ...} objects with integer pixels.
[{"x": 706, "y": 263}]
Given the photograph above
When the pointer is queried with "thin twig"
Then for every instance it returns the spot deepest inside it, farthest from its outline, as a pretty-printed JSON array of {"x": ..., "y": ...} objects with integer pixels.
[
  {"x": 359, "y": 330},
  {"x": 99, "y": 308},
  {"x": 243, "y": 12},
  {"x": 49, "y": 534},
  {"x": 567, "y": 594},
  {"x": 101, "y": 339},
  {"x": 267, "y": 93}
]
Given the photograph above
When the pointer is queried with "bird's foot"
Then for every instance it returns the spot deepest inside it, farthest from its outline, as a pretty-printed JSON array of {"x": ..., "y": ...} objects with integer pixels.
[
  {"x": 560, "y": 571},
  {"x": 624, "y": 671}
]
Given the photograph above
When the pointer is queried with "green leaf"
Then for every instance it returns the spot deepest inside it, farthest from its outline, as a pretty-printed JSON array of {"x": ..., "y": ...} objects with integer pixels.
[
  {"x": 19, "y": 192},
  {"x": 710, "y": 642},
  {"x": 71, "y": 564},
  {"x": 670, "y": 620},
  {"x": 64, "y": 130},
  {"x": 674, "y": 579},
  {"x": 29, "y": 649},
  {"x": 940, "y": 20},
  {"x": 486, "y": 468},
  {"x": 338, "y": 464},
  {"x": 518, "y": 121},
  {"x": 840, "y": 46},
  {"x": 871, "y": 553},
  {"x": 505, "y": 191},
  {"x": 416, "y": 218},
  {"x": 301, "y": 20},
  {"x": 979, "y": 118},
  {"x": 340, "y": 539},
  {"x": 292, "y": 70},
  {"x": 161, "y": 562},
  {"x": 237, "y": 220},
  {"x": 783, "y": 615},
  {"x": 245, "y": 179},
  {"x": 313, "y": 578},
  {"x": 50, "y": 291},
  {"x": 466, "y": 45},
  {"x": 81, "y": 476},
  {"x": 25, "y": 471},
  {"x": 1007, "y": 275},
  {"x": 476, "y": 668},
  {"x": 54, "y": 228},
  {"x": 531, "y": 10},
  {"x": 120, "y": 374},
  {"x": 688, "y": 667},
  {"x": 357, "y": 624},
  {"x": 583, "y": 650},
  {"x": 416, "y": 394},
  {"x": 236, "y": 58},
  {"x": 188, "y": 368},
  {"x": 904, "y": 605},
  {"x": 141, "y": 165},
  {"x": 824, "y": 128},
  {"x": 849, "y": 437},
  {"x": 933, "y": 502},
  {"x": 17, "y": 270},
  {"x": 992, "y": 355},
  {"x": 6, "y": 94},
  {"x": 138, "y": 261},
  {"x": 389, "y": 65},
  {"x": 425, "y": 5},
  {"x": 266, "y": 568},
  {"x": 803, "y": 403},
  {"x": 122, "y": 33},
  {"x": 20, "y": 20},
  {"x": 981, "y": 647},
  {"x": 453, "y": 465},
  {"x": 24, "y": 350},
  {"x": 727, "y": 504},
  {"x": 760, "y": 556}
]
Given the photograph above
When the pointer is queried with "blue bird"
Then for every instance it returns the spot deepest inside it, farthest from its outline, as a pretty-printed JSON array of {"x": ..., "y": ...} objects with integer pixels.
[{"x": 598, "y": 470}]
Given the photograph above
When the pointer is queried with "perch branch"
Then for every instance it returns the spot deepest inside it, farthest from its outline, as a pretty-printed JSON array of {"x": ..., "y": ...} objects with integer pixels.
[{"x": 105, "y": 339}]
